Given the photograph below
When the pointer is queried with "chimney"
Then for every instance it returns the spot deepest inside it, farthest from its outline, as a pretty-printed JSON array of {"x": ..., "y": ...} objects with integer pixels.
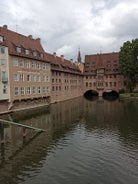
[
  {"x": 54, "y": 54},
  {"x": 38, "y": 39},
  {"x": 71, "y": 60},
  {"x": 5, "y": 26},
  {"x": 62, "y": 58},
  {"x": 30, "y": 36}
]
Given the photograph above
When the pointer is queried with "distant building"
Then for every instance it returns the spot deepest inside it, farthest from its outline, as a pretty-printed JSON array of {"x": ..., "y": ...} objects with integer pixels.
[
  {"x": 66, "y": 78},
  {"x": 102, "y": 73}
]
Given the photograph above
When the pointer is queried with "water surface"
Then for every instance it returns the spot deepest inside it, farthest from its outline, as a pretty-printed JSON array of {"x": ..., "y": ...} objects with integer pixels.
[{"x": 86, "y": 142}]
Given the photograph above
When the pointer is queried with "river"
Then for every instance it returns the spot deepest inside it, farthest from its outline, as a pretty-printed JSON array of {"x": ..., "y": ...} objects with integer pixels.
[{"x": 86, "y": 142}]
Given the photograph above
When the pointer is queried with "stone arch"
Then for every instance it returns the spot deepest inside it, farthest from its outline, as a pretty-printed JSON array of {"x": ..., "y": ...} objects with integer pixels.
[
  {"x": 110, "y": 94},
  {"x": 91, "y": 94}
]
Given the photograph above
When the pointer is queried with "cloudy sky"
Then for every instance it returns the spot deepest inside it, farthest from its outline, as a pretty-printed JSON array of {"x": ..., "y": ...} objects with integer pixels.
[{"x": 66, "y": 25}]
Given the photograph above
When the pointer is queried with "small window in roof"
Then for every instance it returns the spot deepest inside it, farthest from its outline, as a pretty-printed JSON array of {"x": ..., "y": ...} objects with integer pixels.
[
  {"x": 1, "y": 39},
  {"x": 34, "y": 53},
  {"x": 18, "y": 49},
  {"x": 27, "y": 51},
  {"x": 41, "y": 55}
]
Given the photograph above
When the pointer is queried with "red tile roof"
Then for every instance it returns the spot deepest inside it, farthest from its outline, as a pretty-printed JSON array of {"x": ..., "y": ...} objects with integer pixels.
[
  {"x": 13, "y": 40},
  {"x": 65, "y": 66},
  {"x": 100, "y": 61}
]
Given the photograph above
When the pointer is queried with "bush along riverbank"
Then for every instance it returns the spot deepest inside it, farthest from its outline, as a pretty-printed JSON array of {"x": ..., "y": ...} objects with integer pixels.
[{"x": 127, "y": 95}]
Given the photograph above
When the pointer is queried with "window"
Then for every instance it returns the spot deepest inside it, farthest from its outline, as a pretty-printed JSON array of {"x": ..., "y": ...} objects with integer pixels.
[
  {"x": 3, "y": 62},
  {"x": 15, "y": 77},
  {"x": 44, "y": 78},
  {"x": 41, "y": 55},
  {"x": 27, "y": 52},
  {"x": 38, "y": 65},
  {"x": 34, "y": 90},
  {"x": 44, "y": 66},
  {"x": 48, "y": 89},
  {"x": 47, "y": 66},
  {"x": 35, "y": 53},
  {"x": 4, "y": 76},
  {"x": 4, "y": 89},
  {"x": 2, "y": 50},
  {"x": 22, "y": 91},
  {"x": 44, "y": 89},
  {"x": 28, "y": 77},
  {"x": 38, "y": 78},
  {"x": 16, "y": 91},
  {"x": 34, "y": 78},
  {"x": 38, "y": 90},
  {"x": 15, "y": 62},
  {"x": 100, "y": 77},
  {"x": 28, "y": 64},
  {"x": 100, "y": 84},
  {"x": 21, "y": 77},
  {"x": 33, "y": 65},
  {"x": 21, "y": 63},
  {"x": 47, "y": 78},
  {"x": 18, "y": 49},
  {"x": 28, "y": 90},
  {"x": 1, "y": 39}
]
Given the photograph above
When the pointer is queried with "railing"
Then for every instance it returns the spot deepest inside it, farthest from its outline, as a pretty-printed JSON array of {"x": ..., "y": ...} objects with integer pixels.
[{"x": 25, "y": 126}]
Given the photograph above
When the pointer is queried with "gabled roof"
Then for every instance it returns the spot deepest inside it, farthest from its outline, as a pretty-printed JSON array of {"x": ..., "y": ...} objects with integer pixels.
[
  {"x": 13, "y": 40},
  {"x": 96, "y": 61},
  {"x": 100, "y": 59},
  {"x": 57, "y": 64}
]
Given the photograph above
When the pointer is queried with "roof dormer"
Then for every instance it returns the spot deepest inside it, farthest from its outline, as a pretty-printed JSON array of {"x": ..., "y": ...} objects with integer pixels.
[
  {"x": 1, "y": 38},
  {"x": 18, "y": 49}
]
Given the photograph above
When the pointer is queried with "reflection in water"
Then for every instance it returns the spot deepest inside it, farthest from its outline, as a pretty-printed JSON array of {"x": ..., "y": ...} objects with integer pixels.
[
  {"x": 86, "y": 142},
  {"x": 1, "y": 132},
  {"x": 110, "y": 98}
]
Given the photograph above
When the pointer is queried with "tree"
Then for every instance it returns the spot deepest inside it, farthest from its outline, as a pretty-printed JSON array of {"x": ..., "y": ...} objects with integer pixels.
[{"x": 128, "y": 58}]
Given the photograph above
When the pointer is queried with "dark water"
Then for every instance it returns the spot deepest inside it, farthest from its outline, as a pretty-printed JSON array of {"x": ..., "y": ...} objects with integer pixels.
[{"x": 87, "y": 142}]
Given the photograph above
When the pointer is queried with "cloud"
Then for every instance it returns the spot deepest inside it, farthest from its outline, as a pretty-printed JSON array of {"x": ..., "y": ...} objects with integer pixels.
[
  {"x": 63, "y": 26},
  {"x": 66, "y": 49}
]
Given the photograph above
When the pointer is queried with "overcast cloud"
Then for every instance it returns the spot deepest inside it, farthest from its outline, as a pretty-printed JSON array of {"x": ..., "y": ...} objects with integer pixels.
[{"x": 64, "y": 26}]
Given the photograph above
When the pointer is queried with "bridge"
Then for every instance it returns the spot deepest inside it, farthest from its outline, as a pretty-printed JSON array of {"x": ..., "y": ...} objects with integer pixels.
[{"x": 101, "y": 91}]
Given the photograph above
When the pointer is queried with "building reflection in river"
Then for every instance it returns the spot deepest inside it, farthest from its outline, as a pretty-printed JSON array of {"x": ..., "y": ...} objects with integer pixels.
[{"x": 22, "y": 148}]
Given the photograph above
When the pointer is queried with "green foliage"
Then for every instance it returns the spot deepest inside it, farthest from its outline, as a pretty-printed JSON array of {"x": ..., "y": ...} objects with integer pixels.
[
  {"x": 128, "y": 95},
  {"x": 128, "y": 58}
]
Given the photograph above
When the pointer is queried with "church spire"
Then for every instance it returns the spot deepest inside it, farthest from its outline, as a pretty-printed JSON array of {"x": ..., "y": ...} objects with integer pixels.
[{"x": 79, "y": 56}]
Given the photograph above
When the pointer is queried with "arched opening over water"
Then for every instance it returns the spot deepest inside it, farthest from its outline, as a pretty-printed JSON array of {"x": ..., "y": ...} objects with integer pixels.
[
  {"x": 110, "y": 95},
  {"x": 91, "y": 94}
]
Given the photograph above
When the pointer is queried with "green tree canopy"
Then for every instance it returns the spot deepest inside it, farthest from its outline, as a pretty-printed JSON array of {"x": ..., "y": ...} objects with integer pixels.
[{"x": 128, "y": 58}]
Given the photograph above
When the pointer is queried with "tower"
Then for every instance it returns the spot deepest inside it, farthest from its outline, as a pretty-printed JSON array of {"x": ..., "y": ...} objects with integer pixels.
[{"x": 79, "y": 56}]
